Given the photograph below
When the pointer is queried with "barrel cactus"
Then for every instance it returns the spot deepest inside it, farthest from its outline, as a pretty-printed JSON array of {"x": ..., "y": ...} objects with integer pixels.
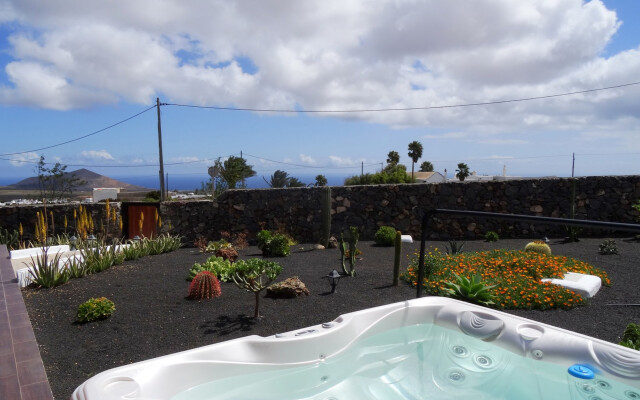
[
  {"x": 538, "y": 246},
  {"x": 204, "y": 285}
]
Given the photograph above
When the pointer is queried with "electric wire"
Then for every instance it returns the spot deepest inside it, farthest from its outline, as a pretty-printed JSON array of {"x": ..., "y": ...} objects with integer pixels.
[
  {"x": 81, "y": 137},
  {"x": 485, "y": 103}
]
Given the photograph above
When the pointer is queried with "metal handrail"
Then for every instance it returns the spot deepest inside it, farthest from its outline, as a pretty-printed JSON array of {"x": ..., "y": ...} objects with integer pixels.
[{"x": 618, "y": 226}]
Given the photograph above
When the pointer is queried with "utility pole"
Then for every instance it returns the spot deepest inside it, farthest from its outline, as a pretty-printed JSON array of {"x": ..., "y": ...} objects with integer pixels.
[
  {"x": 161, "y": 172},
  {"x": 573, "y": 164},
  {"x": 361, "y": 168},
  {"x": 243, "y": 184}
]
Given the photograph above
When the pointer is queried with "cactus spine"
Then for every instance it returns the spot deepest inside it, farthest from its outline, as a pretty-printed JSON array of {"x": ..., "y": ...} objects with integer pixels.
[
  {"x": 204, "y": 285},
  {"x": 396, "y": 258},
  {"x": 326, "y": 216}
]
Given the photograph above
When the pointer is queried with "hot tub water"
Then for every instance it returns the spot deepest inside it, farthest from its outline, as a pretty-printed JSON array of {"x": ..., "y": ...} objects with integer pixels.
[{"x": 415, "y": 362}]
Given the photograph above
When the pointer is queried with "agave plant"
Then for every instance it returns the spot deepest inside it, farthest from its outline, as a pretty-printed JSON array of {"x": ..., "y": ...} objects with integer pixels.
[{"x": 472, "y": 290}]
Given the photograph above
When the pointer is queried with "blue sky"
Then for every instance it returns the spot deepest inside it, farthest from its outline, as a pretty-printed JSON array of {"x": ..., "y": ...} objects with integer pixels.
[{"x": 70, "y": 68}]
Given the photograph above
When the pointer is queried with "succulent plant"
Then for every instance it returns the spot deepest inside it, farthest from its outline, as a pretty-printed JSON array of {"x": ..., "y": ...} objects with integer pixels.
[
  {"x": 205, "y": 285},
  {"x": 538, "y": 246},
  {"x": 228, "y": 253},
  {"x": 608, "y": 246}
]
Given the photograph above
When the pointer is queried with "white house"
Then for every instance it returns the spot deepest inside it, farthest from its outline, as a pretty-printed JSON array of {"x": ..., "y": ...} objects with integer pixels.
[
  {"x": 428, "y": 177},
  {"x": 105, "y": 193}
]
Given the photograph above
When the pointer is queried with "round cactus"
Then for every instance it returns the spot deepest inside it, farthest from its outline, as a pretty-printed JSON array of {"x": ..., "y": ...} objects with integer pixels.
[
  {"x": 204, "y": 285},
  {"x": 538, "y": 246}
]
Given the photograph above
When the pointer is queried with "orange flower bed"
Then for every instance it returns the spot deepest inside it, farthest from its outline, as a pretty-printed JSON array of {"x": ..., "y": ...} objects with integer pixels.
[{"x": 515, "y": 274}]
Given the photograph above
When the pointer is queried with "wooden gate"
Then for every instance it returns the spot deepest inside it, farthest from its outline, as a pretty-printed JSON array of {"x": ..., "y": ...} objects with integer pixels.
[{"x": 137, "y": 212}]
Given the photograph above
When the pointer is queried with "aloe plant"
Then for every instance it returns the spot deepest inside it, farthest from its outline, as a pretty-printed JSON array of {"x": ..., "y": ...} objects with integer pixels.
[{"x": 472, "y": 290}]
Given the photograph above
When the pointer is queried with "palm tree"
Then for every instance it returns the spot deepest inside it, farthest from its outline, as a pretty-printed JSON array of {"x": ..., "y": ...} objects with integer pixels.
[
  {"x": 279, "y": 179},
  {"x": 321, "y": 180},
  {"x": 415, "y": 152},
  {"x": 393, "y": 158},
  {"x": 462, "y": 172}
]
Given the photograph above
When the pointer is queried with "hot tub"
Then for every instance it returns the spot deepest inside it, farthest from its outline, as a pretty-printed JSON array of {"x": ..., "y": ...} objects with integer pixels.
[{"x": 428, "y": 348}]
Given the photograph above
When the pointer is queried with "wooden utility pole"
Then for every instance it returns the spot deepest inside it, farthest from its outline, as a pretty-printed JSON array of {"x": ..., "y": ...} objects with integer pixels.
[{"x": 161, "y": 172}]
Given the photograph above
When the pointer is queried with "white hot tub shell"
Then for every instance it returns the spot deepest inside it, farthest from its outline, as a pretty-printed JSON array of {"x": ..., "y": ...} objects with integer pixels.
[{"x": 541, "y": 353}]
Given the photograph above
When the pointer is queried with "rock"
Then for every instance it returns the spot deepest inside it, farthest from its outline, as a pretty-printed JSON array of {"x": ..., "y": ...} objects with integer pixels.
[
  {"x": 287, "y": 289},
  {"x": 318, "y": 247},
  {"x": 333, "y": 242}
]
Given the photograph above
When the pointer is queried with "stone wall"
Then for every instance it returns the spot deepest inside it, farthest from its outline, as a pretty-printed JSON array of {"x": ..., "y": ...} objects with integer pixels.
[{"x": 298, "y": 211}]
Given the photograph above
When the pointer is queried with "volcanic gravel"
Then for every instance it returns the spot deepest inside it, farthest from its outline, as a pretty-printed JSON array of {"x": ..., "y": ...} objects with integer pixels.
[{"x": 153, "y": 317}]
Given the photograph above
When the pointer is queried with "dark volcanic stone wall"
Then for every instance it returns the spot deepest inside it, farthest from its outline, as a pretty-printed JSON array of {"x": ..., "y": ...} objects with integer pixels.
[{"x": 298, "y": 211}]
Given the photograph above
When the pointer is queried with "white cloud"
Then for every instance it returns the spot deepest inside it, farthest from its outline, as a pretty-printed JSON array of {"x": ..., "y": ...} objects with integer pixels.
[
  {"x": 97, "y": 154},
  {"x": 331, "y": 55},
  {"x": 307, "y": 159},
  {"x": 190, "y": 160},
  {"x": 26, "y": 159},
  {"x": 342, "y": 161}
]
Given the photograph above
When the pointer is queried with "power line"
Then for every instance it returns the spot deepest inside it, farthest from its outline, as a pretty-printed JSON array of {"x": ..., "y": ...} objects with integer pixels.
[
  {"x": 404, "y": 108},
  {"x": 81, "y": 137}
]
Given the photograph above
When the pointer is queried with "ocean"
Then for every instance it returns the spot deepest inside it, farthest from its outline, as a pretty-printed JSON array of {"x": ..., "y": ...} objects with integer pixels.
[{"x": 192, "y": 182}]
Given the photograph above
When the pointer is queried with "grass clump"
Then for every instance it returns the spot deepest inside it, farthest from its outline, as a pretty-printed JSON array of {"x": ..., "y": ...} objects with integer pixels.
[{"x": 514, "y": 276}]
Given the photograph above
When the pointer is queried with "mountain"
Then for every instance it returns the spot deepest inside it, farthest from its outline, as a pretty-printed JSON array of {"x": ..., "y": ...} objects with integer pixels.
[{"x": 92, "y": 180}]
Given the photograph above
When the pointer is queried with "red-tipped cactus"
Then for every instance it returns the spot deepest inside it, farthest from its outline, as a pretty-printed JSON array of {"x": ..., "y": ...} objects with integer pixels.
[{"x": 205, "y": 285}]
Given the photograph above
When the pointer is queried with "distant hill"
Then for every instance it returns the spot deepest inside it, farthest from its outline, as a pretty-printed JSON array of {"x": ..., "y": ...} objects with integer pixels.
[{"x": 92, "y": 180}]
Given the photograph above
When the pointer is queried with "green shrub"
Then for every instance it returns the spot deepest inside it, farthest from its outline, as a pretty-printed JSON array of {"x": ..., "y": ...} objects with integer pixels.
[
  {"x": 218, "y": 266},
  {"x": 538, "y": 246},
  {"x": 631, "y": 337},
  {"x": 95, "y": 309},
  {"x": 385, "y": 236},
  {"x": 491, "y": 236},
  {"x": 608, "y": 246},
  {"x": 273, "y": 244}
]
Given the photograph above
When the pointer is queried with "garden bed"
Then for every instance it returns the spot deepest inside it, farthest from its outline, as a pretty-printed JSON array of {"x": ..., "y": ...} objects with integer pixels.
[{"x": 153, "y": 318}]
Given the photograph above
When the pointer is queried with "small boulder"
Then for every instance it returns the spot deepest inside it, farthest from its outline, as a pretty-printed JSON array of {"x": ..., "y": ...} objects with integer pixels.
[
  {"x": 318, "y": 247},
  {"x": 287, "y": 289},
  {"x": 333, "y": 242}
]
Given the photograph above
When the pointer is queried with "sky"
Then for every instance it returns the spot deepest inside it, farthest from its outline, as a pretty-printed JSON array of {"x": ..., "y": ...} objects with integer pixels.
[{"x": 79, "y": 82}]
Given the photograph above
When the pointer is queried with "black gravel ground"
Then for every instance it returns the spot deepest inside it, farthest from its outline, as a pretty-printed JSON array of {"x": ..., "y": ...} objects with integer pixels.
[{"x": 153, "y": 318}]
